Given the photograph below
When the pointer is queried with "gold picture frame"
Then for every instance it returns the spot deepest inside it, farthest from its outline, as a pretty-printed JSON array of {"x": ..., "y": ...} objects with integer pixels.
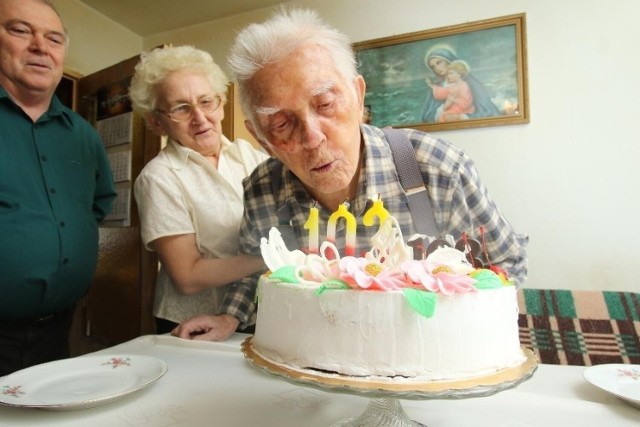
[{"x": 411, "y": 82}]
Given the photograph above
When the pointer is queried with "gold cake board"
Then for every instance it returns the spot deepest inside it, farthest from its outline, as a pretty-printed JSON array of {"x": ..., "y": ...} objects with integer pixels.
[{"x": 398, "y": 387}]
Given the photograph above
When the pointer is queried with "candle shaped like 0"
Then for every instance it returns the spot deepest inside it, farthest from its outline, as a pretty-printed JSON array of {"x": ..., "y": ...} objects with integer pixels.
[
  {"x": 350, "y": 238},
  {"x": 312, "y": 226},
  {"x": 376, "y": 210}
]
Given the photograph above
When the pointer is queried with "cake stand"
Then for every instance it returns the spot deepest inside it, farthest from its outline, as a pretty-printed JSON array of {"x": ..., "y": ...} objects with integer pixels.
[{"x": 384, "y": 408}]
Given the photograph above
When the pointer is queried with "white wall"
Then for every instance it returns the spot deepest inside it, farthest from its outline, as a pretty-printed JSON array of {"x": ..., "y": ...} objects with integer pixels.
[
  {"x": 568, "y": 178},
  {"x": 95, "y": 41}
]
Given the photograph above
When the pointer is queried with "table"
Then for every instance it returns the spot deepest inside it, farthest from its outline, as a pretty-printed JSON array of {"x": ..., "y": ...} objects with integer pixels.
[{"x": 211, "y": 384}]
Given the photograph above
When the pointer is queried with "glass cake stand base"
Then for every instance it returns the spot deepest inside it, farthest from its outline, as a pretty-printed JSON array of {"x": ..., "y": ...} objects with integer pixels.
[
  {"x": 384, "y": 408},
  {"x": 381, "y": 412}
]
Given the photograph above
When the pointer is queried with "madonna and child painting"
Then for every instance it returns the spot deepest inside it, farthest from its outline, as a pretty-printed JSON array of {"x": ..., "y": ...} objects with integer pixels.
[{"x": 464, "y": 78}]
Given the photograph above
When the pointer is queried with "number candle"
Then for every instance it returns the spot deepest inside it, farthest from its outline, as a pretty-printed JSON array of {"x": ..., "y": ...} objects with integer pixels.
[
  {"x": 312, "y": 226},
  {"x": 350, "y": 239},
  {"x": 376, "y": 210}
]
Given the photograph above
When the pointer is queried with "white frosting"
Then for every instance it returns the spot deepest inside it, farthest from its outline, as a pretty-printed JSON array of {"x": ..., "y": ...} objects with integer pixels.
[
  {"x": 373, "y": 333},
  {"x": 362, "y": 332}
]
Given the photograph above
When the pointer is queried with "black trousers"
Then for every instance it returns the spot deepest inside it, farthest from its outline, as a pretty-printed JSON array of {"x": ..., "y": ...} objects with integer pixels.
[{"x": 28, "y": 342}]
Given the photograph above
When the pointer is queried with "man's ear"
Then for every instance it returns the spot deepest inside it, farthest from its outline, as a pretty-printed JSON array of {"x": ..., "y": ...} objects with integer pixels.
[
  {"x": 264, "y": 144},
  {"x": 361, "y": 88}
]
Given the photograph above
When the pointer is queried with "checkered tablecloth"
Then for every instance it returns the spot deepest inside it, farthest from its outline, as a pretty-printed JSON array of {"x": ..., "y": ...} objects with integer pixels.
[{"x": 565, "y": 327}]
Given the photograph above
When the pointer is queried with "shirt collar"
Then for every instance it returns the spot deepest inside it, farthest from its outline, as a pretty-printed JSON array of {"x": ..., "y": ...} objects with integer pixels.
[
  {"x": 3, "y": 93},
  {"x": 377, "y": 153},
  {"x": 56, "y": 108},
  {"x": 179, "y": 155}
]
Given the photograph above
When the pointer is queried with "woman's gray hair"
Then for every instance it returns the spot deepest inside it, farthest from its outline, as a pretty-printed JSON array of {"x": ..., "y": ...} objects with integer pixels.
[
  {"x": 259, "y": 45},
  {"x": 155, "y": 65}
]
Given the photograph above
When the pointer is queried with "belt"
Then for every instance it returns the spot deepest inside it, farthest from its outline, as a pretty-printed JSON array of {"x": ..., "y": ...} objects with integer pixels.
[{"x": 36, "y": 320}]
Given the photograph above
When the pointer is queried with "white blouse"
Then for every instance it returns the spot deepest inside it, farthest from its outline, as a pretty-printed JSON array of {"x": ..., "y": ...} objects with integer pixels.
[{"x": 180, "y": 192}]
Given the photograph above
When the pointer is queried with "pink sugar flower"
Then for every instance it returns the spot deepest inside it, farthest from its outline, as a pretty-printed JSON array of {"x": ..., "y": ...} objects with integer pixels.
[
  {"x": 367, "y": 274},
  {"x": 440, "y": 279}
]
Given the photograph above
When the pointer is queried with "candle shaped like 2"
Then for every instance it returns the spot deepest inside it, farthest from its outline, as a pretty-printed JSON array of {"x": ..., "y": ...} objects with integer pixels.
[
  {"x": 377, "y": 210},
  {"x": 312, "y": 226},
  {"x": 350, "y": 238}
]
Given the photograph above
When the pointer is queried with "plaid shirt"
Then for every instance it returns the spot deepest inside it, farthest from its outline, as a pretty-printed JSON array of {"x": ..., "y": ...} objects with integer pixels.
[{"x": 461, "y": 203}]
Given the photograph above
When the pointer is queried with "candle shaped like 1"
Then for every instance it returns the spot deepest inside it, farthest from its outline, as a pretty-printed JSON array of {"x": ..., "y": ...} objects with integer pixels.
[
  {"x": 350, "y": 238},
  {"x": 376, "y": 210},
  {"x": 312, "y": 226}
]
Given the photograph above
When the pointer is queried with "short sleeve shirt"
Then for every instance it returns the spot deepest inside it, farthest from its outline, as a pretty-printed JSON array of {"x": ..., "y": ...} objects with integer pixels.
[{"x": 180, "y": 192}]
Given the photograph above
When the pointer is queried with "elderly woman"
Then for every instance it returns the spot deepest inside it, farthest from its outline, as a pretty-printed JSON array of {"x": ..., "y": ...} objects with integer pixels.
[{"x": 190, "y": 196}]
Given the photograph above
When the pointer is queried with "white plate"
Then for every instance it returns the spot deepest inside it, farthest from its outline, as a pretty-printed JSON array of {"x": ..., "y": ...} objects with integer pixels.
[
  {"x": 618, "y": 379},
  {"x": 81, "y": 382}
]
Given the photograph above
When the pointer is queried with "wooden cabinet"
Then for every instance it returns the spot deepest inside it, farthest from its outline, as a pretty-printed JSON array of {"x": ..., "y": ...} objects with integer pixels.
[{"x": 118, "y": 306}]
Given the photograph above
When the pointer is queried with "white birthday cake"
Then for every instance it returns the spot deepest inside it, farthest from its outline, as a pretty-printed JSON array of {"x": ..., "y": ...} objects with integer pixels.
[{"x": 385, "y": 314}]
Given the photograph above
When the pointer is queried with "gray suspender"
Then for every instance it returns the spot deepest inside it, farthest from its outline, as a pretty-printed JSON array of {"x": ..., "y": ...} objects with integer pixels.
[
  {"x": 404, "y": 157},
  {"x": 412, "y": 182}
]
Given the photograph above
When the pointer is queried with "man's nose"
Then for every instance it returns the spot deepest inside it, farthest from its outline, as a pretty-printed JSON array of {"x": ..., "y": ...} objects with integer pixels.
[
  {"x": 312, "y": 134},
  {"x": 39, "y": 42}
]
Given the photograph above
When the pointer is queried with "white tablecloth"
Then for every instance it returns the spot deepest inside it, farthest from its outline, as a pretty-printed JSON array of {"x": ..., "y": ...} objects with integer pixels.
[{"x": 211, "y": 384}]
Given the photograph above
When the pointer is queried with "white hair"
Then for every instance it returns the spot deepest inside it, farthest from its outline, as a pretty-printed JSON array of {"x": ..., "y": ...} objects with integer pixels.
[
  {"x": 155, "y": 65},
  {"x": 259, "y": 45}
]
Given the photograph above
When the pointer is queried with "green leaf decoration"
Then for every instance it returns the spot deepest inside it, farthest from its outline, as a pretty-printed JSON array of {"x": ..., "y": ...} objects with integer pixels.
[
  {"x": 486, "y": 279},
  {"x": 331, "y": 284},
  {"x": 423, "y": 302},
  {"x": 286, "y": 274}
]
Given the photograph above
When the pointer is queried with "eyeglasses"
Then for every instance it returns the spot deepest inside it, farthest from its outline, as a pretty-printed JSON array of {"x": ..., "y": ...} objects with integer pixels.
[
  {"x": 24, "y": 30},
  {"x": 183, "y": 112}
]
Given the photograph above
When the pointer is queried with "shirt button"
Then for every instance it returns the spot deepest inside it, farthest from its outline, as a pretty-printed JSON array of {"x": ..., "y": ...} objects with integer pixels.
[
  {"x": 65, "y": 261},
  {"x": 62, "y": 224},
  {"x": 52, "y": 190},
  {"x": 43, "y": 158}
]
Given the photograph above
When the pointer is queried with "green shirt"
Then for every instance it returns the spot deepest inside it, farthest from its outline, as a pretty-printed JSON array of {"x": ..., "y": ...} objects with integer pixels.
[{"x": 55, "y": 186}]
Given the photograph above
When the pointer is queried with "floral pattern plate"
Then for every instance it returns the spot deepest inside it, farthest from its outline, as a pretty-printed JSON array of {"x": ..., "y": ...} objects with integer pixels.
[
  {"x": 81, "y": 382},
  {"x": 618, "y": 379}
]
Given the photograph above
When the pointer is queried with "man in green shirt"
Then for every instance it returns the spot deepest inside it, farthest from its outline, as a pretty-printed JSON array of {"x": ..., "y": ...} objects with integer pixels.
[{"x": 55, "y": 187}]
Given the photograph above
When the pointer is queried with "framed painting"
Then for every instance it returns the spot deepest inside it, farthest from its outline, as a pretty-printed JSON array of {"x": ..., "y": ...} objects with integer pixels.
[{"x": 461, "y": 76}]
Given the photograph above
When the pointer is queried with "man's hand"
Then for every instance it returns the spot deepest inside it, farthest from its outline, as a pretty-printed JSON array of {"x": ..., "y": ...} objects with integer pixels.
[{"x": 206, "y": 327}]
